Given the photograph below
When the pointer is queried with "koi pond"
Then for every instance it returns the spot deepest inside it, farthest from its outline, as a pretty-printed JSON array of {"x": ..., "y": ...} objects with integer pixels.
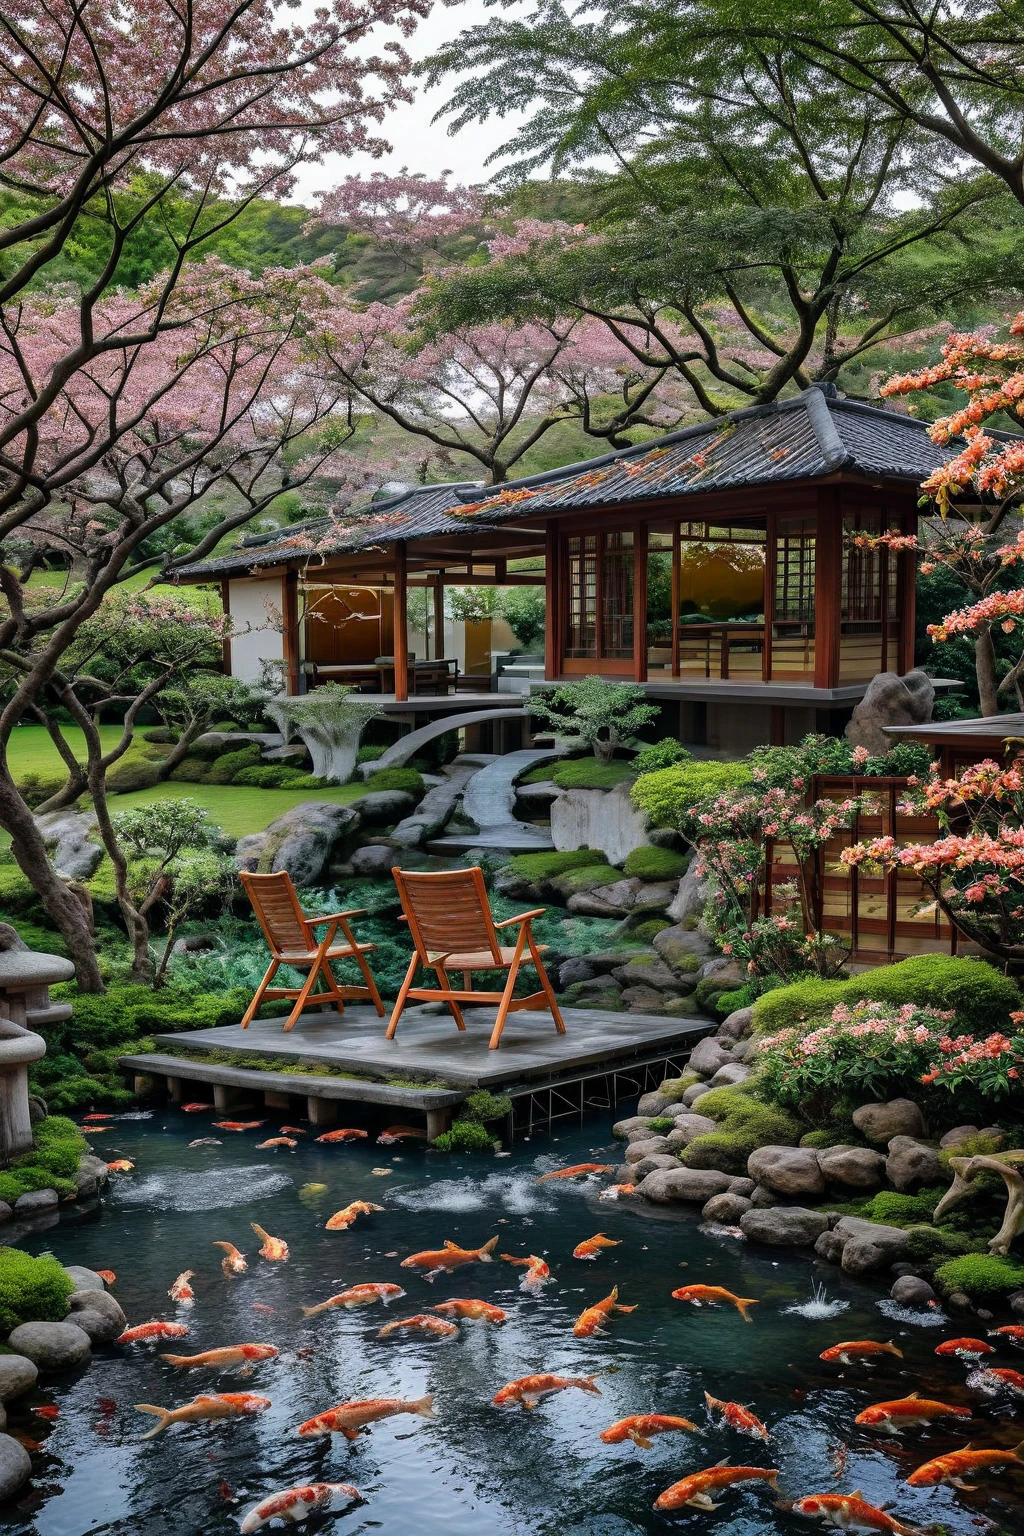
[{"x": 473, "y": 1467}]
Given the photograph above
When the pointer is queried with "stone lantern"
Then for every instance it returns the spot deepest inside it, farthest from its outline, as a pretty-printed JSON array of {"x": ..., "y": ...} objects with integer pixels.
[{"x": 25, "y": 981}]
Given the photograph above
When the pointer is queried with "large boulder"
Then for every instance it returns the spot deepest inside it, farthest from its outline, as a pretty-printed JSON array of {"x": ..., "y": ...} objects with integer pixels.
[
  {"x": 911, "y": 1163},
  {"x": 707, "y": 1056},
  {"x": 649, "y": 971},
  {"x": 594, "y": 818},
  {"x": 784, "y": 1226},
  {"x": 691, "y": 897},
  {"x": 36, "y": 1202},
  {"x": 890, "y": 700},
  {"x": 84, "y": 1279},
  {"x": 98, "y": 1315},
  {"x": 51, "y": 1346},
  {"x": 646, "y": 1148},
  {"x": 575, "y": 969},
  {"x": 682, "y": 949},
  {"x": 383, "y": 807},
  {"x": 666, "y": 1186},
  {"x": 654, "y": 1104},
  {"x": 725, "y": 1210},
  {"x": 613, "y": 899},
  {"x": 737, "y": 1026},
  {"x": 15, "y": 1466},
  {"x": 300, "y": 842},
  {"x": 869, "y": 1245},
  {"x": 375, "y": 861},
  {"x": 913, "y": 1291},
  {"x": 881, "y": 1122},
  {"x": 852, "y": 1167},
  {"x": 624, "y": 1128},
  {"x": 66, "y": 835},
  {"x": 787, "y": 1170},
  {"x": 694, "y": 1092},
  {"x": 18, "y": 1375},
  {"x": 957, "y": 1136},
  {"x": 688, "y": 1127},
  {"x": 729, "y": 1076},
  {"x": 655, "y": 1160}
]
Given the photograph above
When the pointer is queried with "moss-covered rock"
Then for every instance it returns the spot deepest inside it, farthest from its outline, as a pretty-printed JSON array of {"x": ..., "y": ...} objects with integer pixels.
[
  {"x": 744, "y": 1124},
  {"x": 650, "y": 863},
  {"x": 981, "y": 997},
  {"x": 981, "y": 1276},
  {"x": 674, "y": 1087},
  {"x": 32, "y": 1290},
  {"x": 540, "y": 867}
]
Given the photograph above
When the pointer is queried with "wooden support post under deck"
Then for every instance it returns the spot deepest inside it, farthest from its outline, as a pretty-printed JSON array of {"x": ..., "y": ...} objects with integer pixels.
[
  {"x": 175, "y": 1089},
  {"x": 321, "y": 1111},
  {"x": 438, "y": 1121},
  {"x": 401, "y": 623},
  {"x": 438, "y": 618},
  {"x": 551, "y": 612},
  {"x": 276, "y": 1101}
]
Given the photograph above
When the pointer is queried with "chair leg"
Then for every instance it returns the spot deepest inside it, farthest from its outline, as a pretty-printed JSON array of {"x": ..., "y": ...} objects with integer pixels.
[
  {"x": 371, "y": 985},
  {"x": 549, "y": 991},
  {"x": 403, "y": 993},
  {"x": 510, "y": 986},
  {"x": 333, "y": 986},
  {"x": 300, "y": 1001},
  {"x": 446, "y": 986},
  {"x": 253, "y": 1008}
]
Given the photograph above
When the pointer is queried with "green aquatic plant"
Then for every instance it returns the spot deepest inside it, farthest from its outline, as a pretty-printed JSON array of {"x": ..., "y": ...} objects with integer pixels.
[{"x": 464, "y": 1136}]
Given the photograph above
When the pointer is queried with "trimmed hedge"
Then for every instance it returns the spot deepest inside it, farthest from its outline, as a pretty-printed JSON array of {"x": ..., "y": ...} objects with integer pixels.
[
  {"x": 229, "y": 763},
  {"x": 981, "y": 1276},
  {"x": 465, "y": 1136},
  {"x": 57, "y": 1146},
  {"x": 668, "y": 794},
  {"x": 32, "y": 1290},
  {"x": 650, "y": 863}
]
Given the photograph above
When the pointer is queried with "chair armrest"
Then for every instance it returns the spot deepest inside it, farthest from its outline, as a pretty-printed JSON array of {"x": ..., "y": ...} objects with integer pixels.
[
  {"x": 522, "y": 917},
  {"x": 334, "y": 917}
]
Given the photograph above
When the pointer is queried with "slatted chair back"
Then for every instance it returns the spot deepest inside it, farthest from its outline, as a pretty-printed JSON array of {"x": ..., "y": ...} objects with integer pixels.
[
  {"x": 448, "y": 912},
  {"x": 276, "y": 904}
]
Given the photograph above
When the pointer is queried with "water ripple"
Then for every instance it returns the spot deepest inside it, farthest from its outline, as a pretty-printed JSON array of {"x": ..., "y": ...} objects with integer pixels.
[{"x": 214, "y": 1191}]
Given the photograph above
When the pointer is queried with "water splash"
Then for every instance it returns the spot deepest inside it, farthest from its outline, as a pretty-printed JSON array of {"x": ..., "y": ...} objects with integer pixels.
[
  {"x": 916, "y": 1317},
  {"x": 214, "y": 1191},
  {"x": 516, "y": 1193},
  {"x": 820, "y": 1307}
]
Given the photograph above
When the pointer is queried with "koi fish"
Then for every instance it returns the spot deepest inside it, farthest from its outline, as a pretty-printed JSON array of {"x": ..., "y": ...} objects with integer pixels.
[
  {"x": 144, "y": 1333},
  {"x": 233, "y": 1262},
  {"x": 120, "y": 1165},
  {"x": 997, "y": 1378},
  {"x": 294, "y": 1504},
  {"x": 964, "y": 1349},
  {"x": 951, "y": 1468},
  {"x": 617, "y": 1191},
  {"x": 89, "y": 1118},
  {"x": 292, "y": 1130},
  {"x": 26, "y": 1440},
  {"x": 261, "y": 1306},
  {"x": 421, "y": 1323},
  {"x": 273, "y": 1247},
  {"x": 713, "y": 1296},
  {"x": 213, "y": 1405},
  {"x": 529, "y": 1390},
  {"x": 593, "y": 1245},
  {"x": 108, "y": 1276},
  {"x": 849, "y": 1512},
  {"x": 592, "y": 1318},
  {"x": 239, "y": 1125},
  {"x": 357, "y": 1296},
  {"x": 575, "y": 1171},
  {"x": 908, "y": 1411},
  {"x": 537, "y": 1276},
  {"x": 246, "y": 1355},
  {"x": 181, "y": 1291},
  {"x": 695, "y": 1490},
  {"x": 193, "y": 1109},
  {"x": 1012, "y": 1332},
  {"x": 349, "y": 1418},
  {"x": 48, "y": 1412},
  {"x": 342, "y": 1220},
  {"x": 436, "y": 1260},
  {"x": 476, "y": 1311},
  {"x": 737, "y": 1417},
  {"x": 330, "y": 1137},
  {"x": 277, "y": 1141},
  {"x": 400, "y": 1133},
  {"x": 858, "y": 1349},
  {"x": 639, "y": 1428},
  {"x": 204, "y": 1141}
]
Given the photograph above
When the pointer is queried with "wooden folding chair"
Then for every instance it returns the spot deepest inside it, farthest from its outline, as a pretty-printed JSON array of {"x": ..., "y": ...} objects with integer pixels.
[
  {"x": 290, "y": 936},
  {"x": 452, "y": 929}
]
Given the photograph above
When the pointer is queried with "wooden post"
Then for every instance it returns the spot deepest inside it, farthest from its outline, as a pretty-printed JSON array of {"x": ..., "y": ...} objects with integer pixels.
[
  {"x": 225, "y": 1097},
  {"x": 401, "y": 623},
  {"x": 321, "y": 1111},
  {"x": 677, "y": 550},
  {"x": 640, "y": 604},
  {"x": 551, "y": 615},
  {"x": 225, "y": 644},
  {"x": 771, "y": 555},
  {"x": 273, "y": 1100},
  {"x": 438, "y": 618},
  {"x": 290, "y": 613},
  {"x": 175, "y": 1089},
  {"x": 828, "y": 587},
  {"x": 438, "y": 1121}
]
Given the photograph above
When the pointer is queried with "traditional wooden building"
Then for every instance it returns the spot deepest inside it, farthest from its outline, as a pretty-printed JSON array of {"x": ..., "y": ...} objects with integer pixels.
[{"x": 717, "y": 567}]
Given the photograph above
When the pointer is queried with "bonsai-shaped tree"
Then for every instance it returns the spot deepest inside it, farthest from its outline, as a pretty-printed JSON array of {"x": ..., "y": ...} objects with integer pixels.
[
  {"x": 603, "y": 715},
  {"x": 330, "y": 722}
]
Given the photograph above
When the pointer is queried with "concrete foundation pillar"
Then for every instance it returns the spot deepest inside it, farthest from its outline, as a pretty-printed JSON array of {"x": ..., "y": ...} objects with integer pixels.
[
  {"x": 225, "y": 1097},
  {"x": 143, "y": 1085},
  {"x": 438, "y": 1121},
  {"x": 322, "y": 1111},
  {"x": 175, "y": 1089},
  {"x": 276, "y": 1100}
]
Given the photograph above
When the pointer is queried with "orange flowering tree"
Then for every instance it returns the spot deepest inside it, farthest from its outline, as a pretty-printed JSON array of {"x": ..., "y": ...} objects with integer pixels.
[{"x": 973, "y": 493}]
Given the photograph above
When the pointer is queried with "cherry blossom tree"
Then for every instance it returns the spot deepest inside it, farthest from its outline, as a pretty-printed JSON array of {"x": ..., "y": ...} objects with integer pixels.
[
  {"x": 409, "y": 214},
  {"x": 119, "y": 412}
]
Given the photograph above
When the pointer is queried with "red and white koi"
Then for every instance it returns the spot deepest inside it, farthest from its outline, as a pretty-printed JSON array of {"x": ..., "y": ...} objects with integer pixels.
[
  {"x": 349, "y": 1418},
  {"x": 212, "y": 1405},
  {"x": 537, "y": 1275},
  {"x": 181, "y": 1291},
  {"x": 735, "y": 1416},
  {"x": 296, "y": 1504},
  {"x": 528, "y": 1391}
]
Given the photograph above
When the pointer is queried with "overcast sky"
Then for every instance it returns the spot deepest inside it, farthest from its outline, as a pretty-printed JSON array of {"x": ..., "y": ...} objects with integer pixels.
[{"x": 418, "y": 143}]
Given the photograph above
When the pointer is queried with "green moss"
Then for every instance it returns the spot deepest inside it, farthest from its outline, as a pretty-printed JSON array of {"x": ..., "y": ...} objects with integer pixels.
[
  {"x": 223, "y": 770},
  {"x": 464, "y": 1136},
  {"x": 483, "y": 1106},
  {"x": 405, "y": 779},
  {"x": 929, "y": 1246},
  {"x": 583, "y": 773},
  {"x": 265, "y": 776},
  {"x": 896, "y": 1210},
  {"x": 980, "y": 996},
  {"x": 728, "y": 1002},
  {"x": 587, "y": 879},
  {"x": 661, "y": 1125},
  {"x": 650, "y": 863},
  {"x": 674, "y": 1087},
  {"x": 981, "y": 1276},
  {"x": 822, "y": 1139},
  {"x": 538, "y": 867},
  {"x": 744, "y": 1124},
  {"x": 32, "y": 1290},
  {"x": 649, "y": 929},
  {"x": 973, "y": 1146},
  {"x": 669, "y": 794}
]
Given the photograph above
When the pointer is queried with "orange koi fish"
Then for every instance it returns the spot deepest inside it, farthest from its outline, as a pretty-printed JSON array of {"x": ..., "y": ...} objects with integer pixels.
[
  {"x": 349, "y": 1418},
  {"x": 261, "y": 1306},
  {"x": 294, "y": 1504},
  {"x": 342, "y": 1220},
  {"x": 273, "y": 1247},
  {"x": 26, "y": 1440},
  {"x": 88, "y": 1119},
  {"x": 145, "y": 1333},
  {"x": 639, "y": 1428},
  {"x": 330, "y": 1137},
  {"x": 193, "y": 1109},
  {"x": 1012, "y": 1332},
  {"x": 695, "y": 1491},
  {"x": 575, "y": 1171},
  {"x": 47, "y": 1412},
  {"x": 400, "y": 1133},
  {"x": 292, "y": 1130},
  {"x": 435, "y": 1261},
  {"x": 213, "y": 1405},
  {"x": 475, "y": 1311},
  {"x": 908, "y": 1412},
  {"x": 120, "y": 1165},
  {"x": 357, "y": 1296},
  {"x": 737, "y": 1417},
  {"x": 964, "y": 1349},
  {"x": 593, "y": 1245},
  {"x": 850, "y": 1512},
  {"x": 421, "y": 1323},
  {"x": 239, "y": 1125},
  {"x": 996, "y": 1378},
  {"x": 277, "y": 1141},
  {"x": 951, "y": 1468},
  {"x": 181, "y": 1291},
  {"x": 233, "y": 1262},
  {"x": 713, "y": 1296},
  {"x": 537, "y": 1276},
  {"x": 528, "y": 1391},
  {"x": 591, "y": 1319},
  {"x": 246, "y": 1355},
  {"x": 617, "y": 1192},
  {"x": 108, "y": 1276},
  {"x": 858, "y": 1349}
]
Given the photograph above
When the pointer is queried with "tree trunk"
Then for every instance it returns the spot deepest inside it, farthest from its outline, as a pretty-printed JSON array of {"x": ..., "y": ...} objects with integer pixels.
[
  {"x": 985, "y": 666},
  {"x": 60, "y": 904},
  {"x": 604, "y": 745},
  {"x": 181, "y": 747}
]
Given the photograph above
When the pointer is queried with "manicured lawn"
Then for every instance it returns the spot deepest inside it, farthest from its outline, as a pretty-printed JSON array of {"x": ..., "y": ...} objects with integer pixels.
[
  {"x": 235, "y": 808},
  {"x": 31, "y": 751}
]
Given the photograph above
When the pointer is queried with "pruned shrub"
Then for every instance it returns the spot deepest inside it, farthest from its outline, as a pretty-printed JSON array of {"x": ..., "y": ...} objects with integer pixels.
[
  {"x": 132, "y": 772},
  {"x": 666, "y": 795},
  {"x": 265, "y": 776},
  {"x": 32, "y": 1290},
  {"x": 191, "y": 770},
  {"x": 981, "y": 1276},
  {"x": 465, "y": 1136},
  {"x": 223, "y": 770},
  {"x": 663, "y": 754}
]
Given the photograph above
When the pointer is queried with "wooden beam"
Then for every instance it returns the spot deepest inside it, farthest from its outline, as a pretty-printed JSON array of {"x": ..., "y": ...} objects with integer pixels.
[
  {"x": 438, "y": 617},
  {"x": 640, "y": 604},
  {"x": 225, "y": 644},
  {"x": 551, "y": 607},
  {"x": 290, "y": 614},
  {"x": 828, "y": 587},
  {"x": 401, "y": 625}
]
